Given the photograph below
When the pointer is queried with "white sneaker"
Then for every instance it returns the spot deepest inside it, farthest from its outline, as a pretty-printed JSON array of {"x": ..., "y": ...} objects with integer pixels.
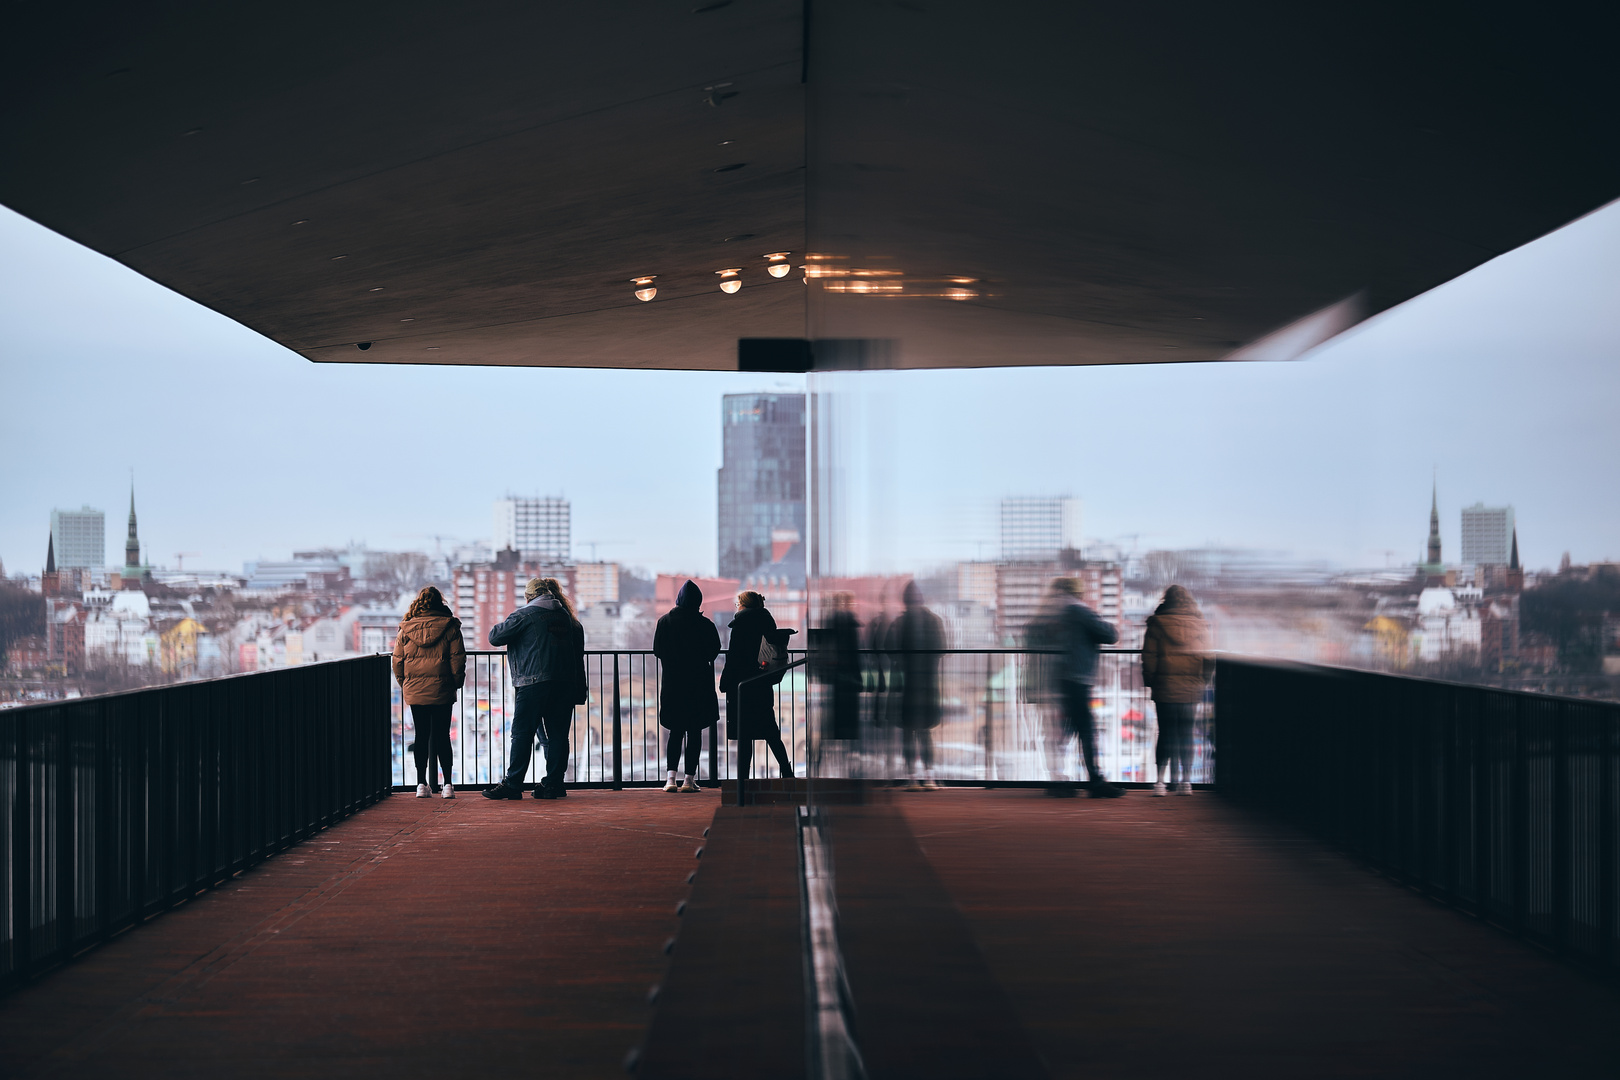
[
  {"x": 1158, "y": 789},
  {"x": 449, "y": 791},
  {"x": 1183, "y": 788},
  {"x": 423, "y": 792},
  {"x": 690, "y": 786},
  {"x": 914, "y": 785},
  {"x": 672, "y": 784},
  {"x": 929, "y": 785}
]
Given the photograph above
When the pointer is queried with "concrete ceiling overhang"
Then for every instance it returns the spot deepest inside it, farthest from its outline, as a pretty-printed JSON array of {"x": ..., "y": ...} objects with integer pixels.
[{"x": 971, "y": 184}]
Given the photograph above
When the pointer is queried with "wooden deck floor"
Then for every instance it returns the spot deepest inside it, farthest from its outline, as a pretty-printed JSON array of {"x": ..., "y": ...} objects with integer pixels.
[
  {"x": 1179, "y": 937},
  {"x": 1135, "y": 937},
  {"x": 419, "y": 938}
]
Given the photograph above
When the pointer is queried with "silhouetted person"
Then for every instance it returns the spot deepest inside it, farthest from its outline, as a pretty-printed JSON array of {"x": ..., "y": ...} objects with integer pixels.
[
  {"x": 1176, "y": 665},
  {"x": 546, "y": 656},
  {"x": 751, "y": 709},
  {"x": 430, "y": 663},
  {"x": 1077, "y": 633},
  {"x": 687, "y": 643},
  {"x": 915, "y": 641}
]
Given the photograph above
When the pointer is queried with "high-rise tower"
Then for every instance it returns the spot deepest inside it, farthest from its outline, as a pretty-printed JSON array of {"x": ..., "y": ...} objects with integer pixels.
[{"x": 761, "y": 480}]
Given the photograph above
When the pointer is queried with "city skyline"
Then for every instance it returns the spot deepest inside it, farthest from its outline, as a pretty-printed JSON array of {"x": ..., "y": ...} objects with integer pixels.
[{"x": 1502, "y": 378}]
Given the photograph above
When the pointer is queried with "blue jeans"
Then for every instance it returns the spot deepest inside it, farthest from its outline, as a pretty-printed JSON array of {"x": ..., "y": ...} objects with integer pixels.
[{"x": 544, "y": 710}]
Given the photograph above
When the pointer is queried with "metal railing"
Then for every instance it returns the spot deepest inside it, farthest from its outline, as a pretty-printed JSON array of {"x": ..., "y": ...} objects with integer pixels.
[
  {"x": 996, "y": 725},
  {"x": 1499, "y": 802},
  {"x": 615, "y": 739},
  {"x": 114, "y": 809}
]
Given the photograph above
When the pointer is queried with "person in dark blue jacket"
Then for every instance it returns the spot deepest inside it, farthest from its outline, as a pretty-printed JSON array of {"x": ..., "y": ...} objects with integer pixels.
[
  {"x": 1077, "y": 634},
  {"x": 545, "y": 652}
]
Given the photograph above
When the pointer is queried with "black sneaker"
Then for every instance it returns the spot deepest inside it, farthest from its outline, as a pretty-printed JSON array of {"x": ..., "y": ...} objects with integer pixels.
[
  {"x": 501, "y": 791},
  {"x": 1104, "y": 790}
]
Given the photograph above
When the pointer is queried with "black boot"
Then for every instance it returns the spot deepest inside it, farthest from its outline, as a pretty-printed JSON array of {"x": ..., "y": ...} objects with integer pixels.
[{"x": 503, "y": 791}]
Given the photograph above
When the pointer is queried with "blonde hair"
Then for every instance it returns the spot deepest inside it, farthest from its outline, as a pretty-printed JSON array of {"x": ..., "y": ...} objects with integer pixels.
[
  {"x": 1068, "y": 586},
  {"x": 428, "y": 602},
  {"x": 749, "y": 598},
  {"x": 551, "y": 587}
]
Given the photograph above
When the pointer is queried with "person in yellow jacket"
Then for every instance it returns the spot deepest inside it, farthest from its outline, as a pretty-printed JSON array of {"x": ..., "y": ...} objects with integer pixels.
[
  {"x": 430, "y": 663},
  {"x": 1176, "y": 666}
]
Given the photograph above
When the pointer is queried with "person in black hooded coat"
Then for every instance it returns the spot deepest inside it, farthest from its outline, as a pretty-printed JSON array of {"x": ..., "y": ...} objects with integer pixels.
[
  {"x": 752, "y": 705},
  {"x": 687, "y": 643}
]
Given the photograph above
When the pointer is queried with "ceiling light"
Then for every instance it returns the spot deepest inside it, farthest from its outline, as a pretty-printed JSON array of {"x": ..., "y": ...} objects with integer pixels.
[
  {"x": 646, "y": 291},
  {"x": 960, "y": 294},
  {"x": 779, "y": 266},
  {"x": 729, "y": 282},
  {"x": 378, "y": 289}
]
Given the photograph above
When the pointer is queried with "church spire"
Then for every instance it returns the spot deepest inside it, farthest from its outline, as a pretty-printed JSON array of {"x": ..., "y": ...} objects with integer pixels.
[
  {"x": 1434, "y": 526},
  {"x": 1513, "y": 559},
  {"x": 132, "y": 545},
  {"x": 50, "y": 554}
]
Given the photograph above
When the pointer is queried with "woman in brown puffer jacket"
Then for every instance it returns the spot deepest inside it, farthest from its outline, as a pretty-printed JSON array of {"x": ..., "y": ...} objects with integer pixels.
[
  {"x": 430, "y": 663},
  {"x": 1176, "y": 665}
]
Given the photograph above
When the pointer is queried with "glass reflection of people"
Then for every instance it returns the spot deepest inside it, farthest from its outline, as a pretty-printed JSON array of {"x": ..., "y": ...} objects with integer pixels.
[
  {"x": 686, "y": 643},
  {"x": 751, "y": 709},
  {"x": 1176, "y": 665},
  {"x": 915, "y": 641},
  {"x": 877, "y": 684},
  {"x": 843, "y": 666},
  {"x": 1078, "y": 633}
]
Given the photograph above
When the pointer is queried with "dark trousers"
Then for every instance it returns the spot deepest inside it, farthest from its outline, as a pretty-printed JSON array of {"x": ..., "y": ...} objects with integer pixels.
[
  {"x": 432, "y": 724},
  {"x": 1078, "y": 720},
  {"x": 544, "y": 710},
  {"x": 916, "y": 744},
  {"x": 773, "y": 739},
  {"x": 1175, "y": 739},
  {"x": 694, "y": 749}
]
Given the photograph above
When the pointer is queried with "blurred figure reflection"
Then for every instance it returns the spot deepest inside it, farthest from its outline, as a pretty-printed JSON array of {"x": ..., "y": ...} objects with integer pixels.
[
  {"x": 1176, "y": 665},
  {"x": 880, "y": 732},
  {"x": 1076, "y": 632},
  {"x": 751, "y": 707},
  {"x": 915, "y": 641},
  {"x": 842, "y": 666}
]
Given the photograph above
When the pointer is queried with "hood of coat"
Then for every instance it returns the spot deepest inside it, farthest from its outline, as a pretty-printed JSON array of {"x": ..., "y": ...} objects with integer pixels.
[
  {"x": 1183, "y": 628},
  {"x": 545, "y": 600},
  {"x": 428, "y": 630},
  {"x": 690, "y": 596}
]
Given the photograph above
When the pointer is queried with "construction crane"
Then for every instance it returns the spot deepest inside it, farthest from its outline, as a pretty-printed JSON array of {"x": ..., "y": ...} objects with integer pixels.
[{"x": 180, "y": 558}]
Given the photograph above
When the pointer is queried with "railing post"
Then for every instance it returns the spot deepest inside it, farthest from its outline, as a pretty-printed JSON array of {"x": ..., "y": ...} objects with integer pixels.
[
  {"x": 989, "y": 721},
  {"x": 22, "y": 872},
  {"x": 618, "y": 731}
]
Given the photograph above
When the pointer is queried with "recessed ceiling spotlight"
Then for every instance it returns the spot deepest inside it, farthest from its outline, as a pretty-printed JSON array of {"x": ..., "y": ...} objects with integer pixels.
[
  {"x": 739, "y": 236},
  {"x": 407, "y": 320},
  {"x": 302, "y": 221},
  {"x": 779, "y": 266},
  {"x": 335, "y": 258},
  {"x": 362, "y": 345},
  {"x": 378, "y": 289},
  {"x": 251, "y": 180},
  {"x": 646, "y": 291},
  {"x": 726, "y": 142},
  {"x": 433, "y": 348},
  {"x": 729, "y": 283},
  {"x": 960, "y": 294}
]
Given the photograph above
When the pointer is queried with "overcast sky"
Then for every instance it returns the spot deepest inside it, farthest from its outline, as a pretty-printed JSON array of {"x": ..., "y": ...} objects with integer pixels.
[{"x": 1506, "y": 381}]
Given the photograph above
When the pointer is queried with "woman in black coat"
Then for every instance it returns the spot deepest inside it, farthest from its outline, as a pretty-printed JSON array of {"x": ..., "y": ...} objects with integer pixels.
[
  {"x": 687, "y": 643},
  {"x": 753, "y": 706}
]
